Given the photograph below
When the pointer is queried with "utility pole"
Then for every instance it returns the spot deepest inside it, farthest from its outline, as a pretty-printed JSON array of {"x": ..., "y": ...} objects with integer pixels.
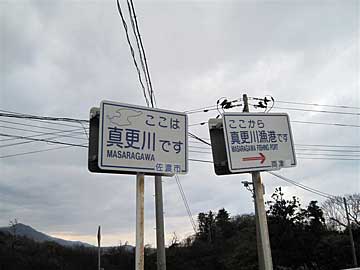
[
  {"x": 139, "y": 249},
  {"x": 160, "y": 241},
  {"x": 262, "y": 232},
  {"x": 350, "y": 234}
]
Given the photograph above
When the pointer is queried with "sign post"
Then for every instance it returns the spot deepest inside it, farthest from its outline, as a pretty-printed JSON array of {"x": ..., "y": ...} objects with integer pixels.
[
  {"x": 264, "y": 254},
  {"x": 99, "y": 248},
  {"x": 128, "y": 139},
  {"x": 160, "y": 241},
  {"x": 139, "y": 249},
  {"x": 254, "y": 142},
  {"x": 262, "y": 233}
]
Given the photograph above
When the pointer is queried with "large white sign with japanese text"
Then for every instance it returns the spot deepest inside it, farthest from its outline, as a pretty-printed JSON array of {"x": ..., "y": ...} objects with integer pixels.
[
  {"x": 141, "y": 139},
  {"x": 258, "y": 142}
]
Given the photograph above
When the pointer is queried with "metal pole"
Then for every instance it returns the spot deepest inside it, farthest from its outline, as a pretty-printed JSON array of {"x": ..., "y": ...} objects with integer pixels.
[
  {"x": 99, "y": 248},
  {"x": 139, "y": 250},
  {"x": 262, "y": 232},
  {"x": 350, "y": 235},
  {"x": 160, "y": 241}
]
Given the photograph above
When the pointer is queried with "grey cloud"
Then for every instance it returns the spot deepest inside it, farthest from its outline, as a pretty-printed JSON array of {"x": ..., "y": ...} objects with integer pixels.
[{"x": 61, "y": 58}]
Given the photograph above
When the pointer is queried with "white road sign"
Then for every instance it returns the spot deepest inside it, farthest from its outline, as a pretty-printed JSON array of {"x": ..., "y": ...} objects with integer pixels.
[
  {"x": 141, "y": 139},
  {"x": 258, "y": 141}
]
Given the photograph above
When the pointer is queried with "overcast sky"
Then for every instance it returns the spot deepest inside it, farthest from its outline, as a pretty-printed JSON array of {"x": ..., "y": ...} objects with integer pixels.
[{"x": 60, "y": 58}]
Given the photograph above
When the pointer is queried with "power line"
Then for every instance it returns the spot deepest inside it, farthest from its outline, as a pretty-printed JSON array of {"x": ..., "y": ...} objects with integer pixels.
[
  {"x": 36, "y": 151},
  {"x": 297, "y": 153},
  {"x": 132, "y": 51},
  {"x": 320, "y": 158},
  {"x": 196, "y": 151},
  {"x": 300, "y": 122},
  {"x": 213, "y": 107},
  {"x": 324, "y": 158},
  {"x": 152, "y": 99},
  {"x": 42, "y": 134},
  {"x": 297, "y": 144},
  {"x": 313, "y": 190},
  {"x": 40, "y": 121},
  {"x": 200, "y": 160},
  {"x": 326, "y": 155},
  {"x": 202, "y": 109},
  {"x": 198, "y": 124},
  {"x": 183, "y": 196},
  {"x": 327, "y": 150},
  {"x": 198, "y": 138},
  {"x": 322, "y": 123},
  {"x": 46, "y": 128},
  {"x": 38, "y": 132},
  {"x": 199, "y": 147},
  {"x": 316, "y": 111},
  {"x": 142, "y": 52},
  {"x": 139, "y": 51},
  {"x": 41, "y": 140},
  {"x": 328, "y": 145},
  {"x": 28, "y": 116},
  {"x": 316, "y": 104}
]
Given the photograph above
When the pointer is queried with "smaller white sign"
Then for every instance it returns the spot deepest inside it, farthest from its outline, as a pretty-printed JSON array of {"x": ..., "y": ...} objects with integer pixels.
[
  {"x": 258, "y": 141},
  {"x": 141, "y": 139}
]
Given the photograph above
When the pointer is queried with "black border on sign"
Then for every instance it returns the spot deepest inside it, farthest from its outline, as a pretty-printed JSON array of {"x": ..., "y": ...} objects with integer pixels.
[{"x": 151, "y": 170}]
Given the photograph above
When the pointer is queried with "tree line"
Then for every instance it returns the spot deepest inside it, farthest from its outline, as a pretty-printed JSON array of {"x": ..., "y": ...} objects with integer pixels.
[{"x": 312, "y": 237}]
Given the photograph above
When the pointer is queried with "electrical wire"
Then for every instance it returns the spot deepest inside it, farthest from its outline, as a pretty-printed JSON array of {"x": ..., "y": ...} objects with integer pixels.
[
  {"x": 327, "y": 124},
  {"x": 326, "y": 155},
  {"x": 316, "y": 104},
  {"x": 29, "y": 125},
  {"x": 301, "y": 145},
  {"x": 132, "y": 19},
  {"x": 316, "y": 111},
  {"x": 149, "y": 84},
  {"x": 198, "y": 124},
  {"x": 310, "y": 104},
  {"x": 36, "y": 151},
  {"x": 297, "y": 154},
  {"x": 328, "y": 150},
  {"x": 132, "y": 51},
  {"x": 28, "y": 116},
  {"x": 313, "y": 190},
  {"x": 202, "y": 109},
  {"x": 328, "y": 145},
  {"x": 324, "y": 158},
  {"x": 197, "y": 138},
  {"x": 42, "y": 134},
  {"x": 183, "y": 196},
  {"x": 213, "y": 107},
  {"x": 202, "y": 152},
  {"x": 302, "y": 122},
  {"x": 142, "y": 52},
  {"x": 200, "y": 160},
  {"x": 39, "y": 132},
  {"x": 40, "y": 140},
  {"x": 199, "y": 147},
  {"x": 40, "y": 121}
]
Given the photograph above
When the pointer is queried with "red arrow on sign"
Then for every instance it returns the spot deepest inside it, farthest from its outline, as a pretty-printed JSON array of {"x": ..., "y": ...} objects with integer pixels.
[{"x": 261, "y": 157}]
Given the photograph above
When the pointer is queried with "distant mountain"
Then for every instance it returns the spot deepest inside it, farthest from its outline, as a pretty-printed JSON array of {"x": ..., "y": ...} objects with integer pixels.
[{"x": 27, "y": 231}]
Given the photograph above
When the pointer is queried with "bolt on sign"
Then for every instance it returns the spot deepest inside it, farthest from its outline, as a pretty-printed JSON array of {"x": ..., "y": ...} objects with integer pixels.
[
  {"x": 141, "y": 139},
  {"x": 258, "y": 142}
]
